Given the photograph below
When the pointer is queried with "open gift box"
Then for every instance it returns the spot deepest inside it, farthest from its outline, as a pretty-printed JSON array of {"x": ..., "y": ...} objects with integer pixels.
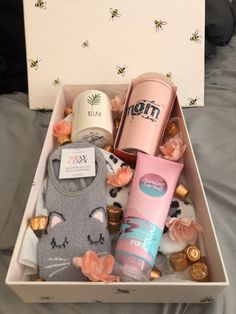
[{"x": 120, "y": 292}]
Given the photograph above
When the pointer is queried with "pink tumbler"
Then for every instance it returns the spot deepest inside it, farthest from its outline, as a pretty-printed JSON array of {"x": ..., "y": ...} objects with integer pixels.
[{"x": 149, "y": 106}]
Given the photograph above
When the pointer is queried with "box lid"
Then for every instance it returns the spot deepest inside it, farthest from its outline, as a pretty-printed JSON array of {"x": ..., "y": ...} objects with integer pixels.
[{"x": 81, "y": 42}]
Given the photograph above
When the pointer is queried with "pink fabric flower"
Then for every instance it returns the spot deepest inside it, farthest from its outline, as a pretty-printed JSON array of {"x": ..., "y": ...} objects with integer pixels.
[
  {"x": 183, "y": 229},
  {"x": 173, "y": 149},
  {"x": 117, "y": 103},
  {"x": 122, "y": 177},
  {"x": 96, "y": 268},
  {"x": 62, "y": 127}
]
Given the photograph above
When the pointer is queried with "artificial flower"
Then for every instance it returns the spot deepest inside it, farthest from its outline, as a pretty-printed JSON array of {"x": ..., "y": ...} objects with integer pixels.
[
  {"x": 117, "y": 103},
  {"x": 63, "y": 127},
  {"x": 96, "y": 268},
  {"x": 183, "y": 229},
  {"x": 122, "y": 177},
  {"x": 173, "y": 149}
]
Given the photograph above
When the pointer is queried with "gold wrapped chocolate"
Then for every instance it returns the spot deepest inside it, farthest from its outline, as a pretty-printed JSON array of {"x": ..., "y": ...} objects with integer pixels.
[
  {"x": 155, "y": 274},
  {"x": 35, "y": 277},
  {"x": 108, "y": 148},
  {"x": 114, "y": 213},
  {"x": 179, "y": 261},
  {"x": 199, "y": 272},
  {"x": 117, "y": 123},
  {"x": 114, "y": 226},
  {"x": 193, "y": 253},
  {"x": 171, "y": 129},
  {"x": 67, "y": 111},
  {"x": 39, "y": 222},
  {"x": 181, "y": 191},
  {"x": 63, "y": 140}
]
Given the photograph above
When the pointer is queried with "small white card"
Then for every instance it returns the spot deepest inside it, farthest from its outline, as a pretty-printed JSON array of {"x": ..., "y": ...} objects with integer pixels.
[{"x": 77, "y": 163}]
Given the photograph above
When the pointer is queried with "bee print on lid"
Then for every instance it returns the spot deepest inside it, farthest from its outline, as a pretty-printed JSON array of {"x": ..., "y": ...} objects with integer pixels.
[
  {"x": 196, "y": 37},
  {"x": 41, "y": 4},
  {"x": 121, "y": 70},
  {"x": 159, "y": 25},
  {"x": 34, "y": 63},
  {"x": 114, "y": 14},
  {"x": 193, "y": 101},
  {"x": 169, "y": 75},
  {"x": 85, "y": 44},
  {"x": 56, "y": 82}
]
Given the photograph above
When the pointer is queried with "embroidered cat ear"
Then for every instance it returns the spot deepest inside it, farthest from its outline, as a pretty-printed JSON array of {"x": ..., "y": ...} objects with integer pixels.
[
  {"x": 98, "y": 213},
  {"x": 55, "y": 219}
]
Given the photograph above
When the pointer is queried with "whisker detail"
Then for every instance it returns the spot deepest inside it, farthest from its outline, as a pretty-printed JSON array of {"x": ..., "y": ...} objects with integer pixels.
[
  {"x": 58, "y": 259},
  {"x": 57, "y": 265},
  {"x": 58, "y": 270}
]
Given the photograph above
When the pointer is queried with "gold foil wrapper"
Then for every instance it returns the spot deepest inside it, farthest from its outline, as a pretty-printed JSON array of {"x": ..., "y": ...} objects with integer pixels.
[
  {"x": 114, "y": 227},
  {"x": 179, "y": 261},
  {"x": 108, "y": 148},
  {"x": 35, "y": 277},
  {"x": 39, "y": 223},
  {"x": 199, "y": 271},
  {"x": 117, "y": 123},
  {"x": 114, "y": 213},
  {"x": 63, "y": 140},
  {"x": 193, "y": 253},
  {"x": 171, "y": 129},
  {"x": 67, "y": 111},
  {"x": 182, "y": 191},
  {"x": 154, "y": 274}
]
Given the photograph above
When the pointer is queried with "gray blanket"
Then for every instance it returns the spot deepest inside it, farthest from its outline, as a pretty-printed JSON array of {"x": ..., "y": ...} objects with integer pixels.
[{"x": 212, "y": 130}]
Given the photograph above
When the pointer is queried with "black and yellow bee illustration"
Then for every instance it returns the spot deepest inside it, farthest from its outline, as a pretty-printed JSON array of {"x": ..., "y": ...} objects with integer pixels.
[
  {"x": 34, "y": 63},
  {"x": 121, "y": 70},
  {"x": 196, "y": 37},
  {"x": 41, "y": 4},
  {"x": 159, "y": 25},
  {"x": 193, "y": 101},
  {"x": 56, "y": 82},
  {"x": 169, "y": 75},
  {"x": 85, "y": 44},
  {"x": 114, "y": 13}
]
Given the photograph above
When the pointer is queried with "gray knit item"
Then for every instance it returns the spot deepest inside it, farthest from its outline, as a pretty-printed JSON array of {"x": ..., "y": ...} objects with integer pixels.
[{"x": 77, "y": 219}]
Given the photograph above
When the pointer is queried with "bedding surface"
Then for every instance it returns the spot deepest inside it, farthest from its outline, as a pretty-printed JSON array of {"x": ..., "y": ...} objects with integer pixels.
[{"x": 212, "y": 130}]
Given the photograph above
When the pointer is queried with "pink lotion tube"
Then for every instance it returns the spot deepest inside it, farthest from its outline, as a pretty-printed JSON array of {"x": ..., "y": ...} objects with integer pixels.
[{"x": 151, "y": 193}]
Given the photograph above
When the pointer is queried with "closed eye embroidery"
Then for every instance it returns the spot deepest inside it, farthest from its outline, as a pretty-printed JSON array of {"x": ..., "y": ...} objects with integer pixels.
[
  {"x": 100, "y": 240},
  {"x": 59, "y": 246}
]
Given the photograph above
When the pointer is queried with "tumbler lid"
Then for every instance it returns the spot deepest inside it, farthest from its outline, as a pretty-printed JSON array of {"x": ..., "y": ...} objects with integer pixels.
[{"x": 154, "y": 76}]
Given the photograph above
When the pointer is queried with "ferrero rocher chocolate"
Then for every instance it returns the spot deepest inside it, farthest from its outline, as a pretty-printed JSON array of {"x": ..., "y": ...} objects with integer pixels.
[
  {"x": 171, "y": 129},
  {"x": 179, "y": 261},
  {"x": 67, "y": 111},
  {"x": 114, "y": 213},
  {"x": 199, "y": 272},
  {"x": 181, "y": 191},
  {"x": 193, "y": 253},
  {"x": 117, "y": 123},
  {"x": 63, "y": 140},
  {"x": 114, "y": 226},
  {"x": 35, "y": 277},
  {"x": 108, "y": 148},
  {"x": 155, "y": 274},
  {"x": 39, "y": 222}
]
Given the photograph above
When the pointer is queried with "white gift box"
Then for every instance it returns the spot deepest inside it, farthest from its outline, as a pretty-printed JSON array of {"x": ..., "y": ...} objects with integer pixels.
[
  {"x": 113, "y": 42},
  {"x": 121, "y": 292}
]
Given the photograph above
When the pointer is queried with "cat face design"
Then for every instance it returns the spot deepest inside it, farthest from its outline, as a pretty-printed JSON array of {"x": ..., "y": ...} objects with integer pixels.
[{"x": 67, "y": 236}]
